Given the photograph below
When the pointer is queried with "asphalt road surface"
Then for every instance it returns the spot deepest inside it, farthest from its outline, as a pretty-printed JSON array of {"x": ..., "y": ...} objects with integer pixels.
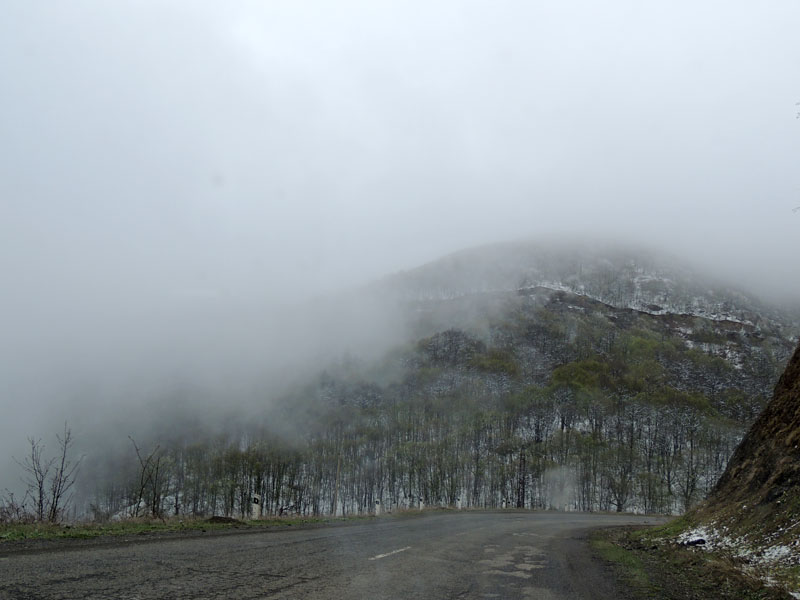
[{"x": 509, "y": 554}]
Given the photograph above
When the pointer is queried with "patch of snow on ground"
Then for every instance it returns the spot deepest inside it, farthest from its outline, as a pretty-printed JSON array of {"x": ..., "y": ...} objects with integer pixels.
[
  {"x": 758, "y": 561},
  {"x": 775, "y": 554}
]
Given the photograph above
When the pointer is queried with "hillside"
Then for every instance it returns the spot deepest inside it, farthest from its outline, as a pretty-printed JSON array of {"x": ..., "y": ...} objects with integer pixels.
[
  {"x": 753, "y": 512},
  {"x": 543, "y": 377},
  {"x": 548, "y": 305}
]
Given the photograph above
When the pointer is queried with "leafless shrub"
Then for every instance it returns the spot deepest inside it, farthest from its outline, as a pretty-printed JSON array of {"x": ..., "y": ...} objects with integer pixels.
[{"x": 13, "y": 510}]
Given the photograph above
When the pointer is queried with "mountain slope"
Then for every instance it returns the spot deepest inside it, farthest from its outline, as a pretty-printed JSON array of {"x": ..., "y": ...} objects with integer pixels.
[
  {"x": 663, "y": 396},
  {"x": 547, "y": 305},
  {"x": 578, "y": 379}
]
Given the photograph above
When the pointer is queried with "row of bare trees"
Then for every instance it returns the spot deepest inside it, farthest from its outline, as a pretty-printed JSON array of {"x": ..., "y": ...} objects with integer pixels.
[{"x": 554, "y": 447}]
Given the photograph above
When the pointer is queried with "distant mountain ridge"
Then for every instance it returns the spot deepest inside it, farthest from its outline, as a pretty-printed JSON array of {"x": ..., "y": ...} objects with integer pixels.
[{"x": 624, "y": 277}]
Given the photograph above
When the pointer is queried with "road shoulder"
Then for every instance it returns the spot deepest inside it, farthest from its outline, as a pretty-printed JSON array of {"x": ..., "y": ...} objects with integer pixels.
[{"x": 649, "y": 569}]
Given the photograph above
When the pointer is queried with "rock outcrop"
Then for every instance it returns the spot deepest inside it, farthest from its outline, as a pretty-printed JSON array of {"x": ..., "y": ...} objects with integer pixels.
[{"x": 766, "y": 465}]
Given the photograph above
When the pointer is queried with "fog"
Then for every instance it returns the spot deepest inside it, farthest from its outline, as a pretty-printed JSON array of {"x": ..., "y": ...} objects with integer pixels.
[{"x": 185, "y": 186}]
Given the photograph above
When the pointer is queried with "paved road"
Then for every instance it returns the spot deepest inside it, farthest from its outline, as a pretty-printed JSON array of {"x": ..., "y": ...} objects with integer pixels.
[{"x": 501, "y": 555}]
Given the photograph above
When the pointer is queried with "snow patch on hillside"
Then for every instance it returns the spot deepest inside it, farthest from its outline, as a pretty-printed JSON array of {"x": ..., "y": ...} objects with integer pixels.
[{"x": 645, "y": 302}]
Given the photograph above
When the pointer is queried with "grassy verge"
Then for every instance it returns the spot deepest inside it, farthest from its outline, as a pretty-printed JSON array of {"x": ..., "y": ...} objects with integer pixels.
[
  {"x": 654, "y": 569},
  {"x": 627, "y": 564},
  {"x": 15, "y": 532}
]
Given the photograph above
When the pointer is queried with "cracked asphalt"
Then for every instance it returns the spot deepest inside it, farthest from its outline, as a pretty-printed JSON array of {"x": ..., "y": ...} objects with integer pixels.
[{"x": 503, "y": 554}]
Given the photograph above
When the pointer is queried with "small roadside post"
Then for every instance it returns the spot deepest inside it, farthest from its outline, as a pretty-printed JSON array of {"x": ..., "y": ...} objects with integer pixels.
[{"x": 256, "y": 507}]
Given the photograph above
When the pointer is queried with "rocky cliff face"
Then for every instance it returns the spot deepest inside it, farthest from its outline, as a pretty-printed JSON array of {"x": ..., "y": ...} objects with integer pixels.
[{"x": 766, "y": 466}]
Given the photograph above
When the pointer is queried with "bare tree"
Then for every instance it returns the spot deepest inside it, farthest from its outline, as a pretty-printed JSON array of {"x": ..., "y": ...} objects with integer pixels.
[
  {"x": 37, "y": 469},
  {"x": 49, "y": 480},
  {"x": 149, "y": 481},
  {"x": 63, "y": 477}
]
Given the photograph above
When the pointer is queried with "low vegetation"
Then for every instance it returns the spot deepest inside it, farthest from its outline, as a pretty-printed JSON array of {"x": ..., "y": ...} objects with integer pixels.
[
  {"x": 10, "y": 532},
  {"x": 655, "y": 566}
]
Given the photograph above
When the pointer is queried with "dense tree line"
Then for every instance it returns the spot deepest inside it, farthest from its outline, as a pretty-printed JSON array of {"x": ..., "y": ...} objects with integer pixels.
[{"x": 606, "y": 433}]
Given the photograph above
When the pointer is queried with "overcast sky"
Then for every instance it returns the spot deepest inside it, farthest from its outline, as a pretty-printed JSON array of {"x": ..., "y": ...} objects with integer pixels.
[{"x": 161, "y": 157}]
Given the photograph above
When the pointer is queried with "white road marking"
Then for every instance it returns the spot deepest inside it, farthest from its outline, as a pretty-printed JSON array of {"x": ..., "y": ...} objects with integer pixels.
[{"x": 389, "y": 553}]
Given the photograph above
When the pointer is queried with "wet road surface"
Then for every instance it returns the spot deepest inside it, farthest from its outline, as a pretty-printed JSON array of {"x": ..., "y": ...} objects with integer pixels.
[{"x": 504, "y": 555}]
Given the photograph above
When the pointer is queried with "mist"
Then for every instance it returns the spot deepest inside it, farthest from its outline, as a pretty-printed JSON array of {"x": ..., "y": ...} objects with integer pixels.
[{"x": 188, "y": 190}]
